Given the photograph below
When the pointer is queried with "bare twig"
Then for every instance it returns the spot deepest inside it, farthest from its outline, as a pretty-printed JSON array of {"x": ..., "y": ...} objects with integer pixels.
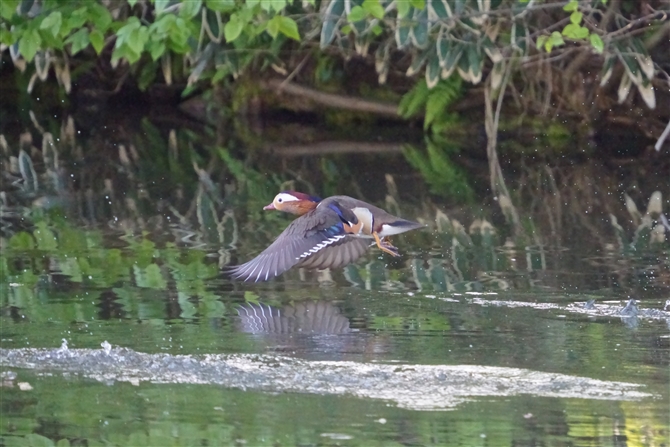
[{"x": 294, "y": 73}]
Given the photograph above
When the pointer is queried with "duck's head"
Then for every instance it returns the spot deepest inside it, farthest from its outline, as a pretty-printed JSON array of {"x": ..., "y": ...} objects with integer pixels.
[{"x": 293, "y": 202}]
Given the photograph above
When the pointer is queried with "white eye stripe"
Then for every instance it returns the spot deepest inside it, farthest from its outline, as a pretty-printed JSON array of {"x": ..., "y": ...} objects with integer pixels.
[
  {"x": 320, "y": 246},
  {"x": 284, "y": 197}
]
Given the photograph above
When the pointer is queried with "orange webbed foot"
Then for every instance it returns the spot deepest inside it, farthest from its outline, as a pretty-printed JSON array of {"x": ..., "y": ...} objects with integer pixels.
[{"x": 385, "y": 245}]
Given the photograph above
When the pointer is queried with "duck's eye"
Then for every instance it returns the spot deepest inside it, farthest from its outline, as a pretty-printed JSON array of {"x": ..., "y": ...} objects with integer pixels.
[{"x": 280, "y": 200}]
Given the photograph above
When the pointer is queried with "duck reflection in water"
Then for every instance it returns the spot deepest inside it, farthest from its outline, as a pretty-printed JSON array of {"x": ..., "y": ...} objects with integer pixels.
[{"x": 307, "y": 317}]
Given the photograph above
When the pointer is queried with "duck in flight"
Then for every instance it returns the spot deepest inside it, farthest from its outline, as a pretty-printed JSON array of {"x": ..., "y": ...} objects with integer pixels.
[{"x": 329, "y": 233}]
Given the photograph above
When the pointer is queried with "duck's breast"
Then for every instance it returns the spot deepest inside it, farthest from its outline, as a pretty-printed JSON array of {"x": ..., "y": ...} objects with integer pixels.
[{"x": 365, "y": 222}]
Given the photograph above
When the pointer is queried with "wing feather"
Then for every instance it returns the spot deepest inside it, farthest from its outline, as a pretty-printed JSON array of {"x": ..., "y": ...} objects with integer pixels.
[
  {"x": 337, "y": 254},
  {"x": 316, "y": 240}
]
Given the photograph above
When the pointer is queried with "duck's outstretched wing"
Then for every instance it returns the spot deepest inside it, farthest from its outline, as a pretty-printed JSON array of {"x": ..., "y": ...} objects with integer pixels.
[
  {"x": 338, "y": 254},
  {"x": 315, "y": 240}
]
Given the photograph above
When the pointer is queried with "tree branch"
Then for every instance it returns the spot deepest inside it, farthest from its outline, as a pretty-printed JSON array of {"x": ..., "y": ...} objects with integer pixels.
[{"x": 331, "y": 100}]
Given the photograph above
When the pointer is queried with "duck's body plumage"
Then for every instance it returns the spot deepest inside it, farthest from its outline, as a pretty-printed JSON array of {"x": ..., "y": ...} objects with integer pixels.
[{"x": 329, "y": 233}]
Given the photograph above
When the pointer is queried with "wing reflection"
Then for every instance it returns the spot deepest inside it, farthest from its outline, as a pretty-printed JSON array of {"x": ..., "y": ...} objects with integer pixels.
[{"x": 307, "y": 317}]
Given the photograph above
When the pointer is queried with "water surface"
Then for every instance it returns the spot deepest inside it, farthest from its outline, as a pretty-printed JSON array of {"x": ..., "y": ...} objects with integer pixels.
[{"x": 120, "y": 327}]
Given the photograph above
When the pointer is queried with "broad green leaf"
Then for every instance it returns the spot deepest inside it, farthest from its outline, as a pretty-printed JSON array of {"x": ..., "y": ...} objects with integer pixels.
[
  {"x": 597, "y": 43},
  {"x": 433, "y": 71},
  {"x": 288, "y": 27},
  {"x": 156, "y": 49},
  {"x": 29, "y": 44},
  {"x": 541, "y": 40},
  {"x": 123, "y": 34},
  {"x": 8, "y": 8},
  {"x": 419, "y": 32},
  {"x": 97, "y": 40},
  {"x": 402, "y": 34},
  {"x": 374, "y": 8},
  {"x": 49, "y": 41},
  {"x": 178, "y": 36},
  {"x": 570, "y": 30},
  {"x": 6, "y": 37},
  {"x": 453, "y": 56},
  {"x": 330, "y": 19},
  {"x": 79, "y": 40},
  {"x": 357, "y": 14},
  {"x": 555, "y": 40},
  {"x": 99, "y": 16},
  {"x": 403, "y": 7},
  {"x": 190, "y": 8},
  {"x": 270, "y": 5},
  {"x": 582, "y": 32},
  {"x": 475, "y": 68},
  {"x": 220, "y": 5},
  {"x": 442, "y": 45},
  {"x": 163, "y": 24},
  {"x": 273, "y": 26},
  {"x": 76, "y": 19},
  {"x": 52, "y": 23},
  {"x": 137, "y": 39},
  {"x": 576, "y": 17},
  {"x": 233, "y": 28},
  {"x": 124, "y": 52},
  {"x": 572, "y": 6}
]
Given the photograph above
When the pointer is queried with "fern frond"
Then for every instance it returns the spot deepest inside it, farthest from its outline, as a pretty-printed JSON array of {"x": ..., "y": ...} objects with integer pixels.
[{"x": 413, "y": 101}]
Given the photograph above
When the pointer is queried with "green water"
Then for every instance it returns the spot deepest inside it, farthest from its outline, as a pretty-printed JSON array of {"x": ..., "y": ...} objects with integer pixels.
[{"x": 134, "y": 253}]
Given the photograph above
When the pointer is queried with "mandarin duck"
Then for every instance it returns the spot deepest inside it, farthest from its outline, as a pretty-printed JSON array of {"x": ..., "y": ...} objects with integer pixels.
[{"x": 329, "y": 233}]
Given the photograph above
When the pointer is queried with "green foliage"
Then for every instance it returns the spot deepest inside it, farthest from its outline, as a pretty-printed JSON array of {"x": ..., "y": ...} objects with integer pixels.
[
  {"x": 437, "y": 167},
  {"x": 433, "y": 102},
  {"x": 76, "y": 253},
  {"x": 575, "y": 30},
  {"x": 256, "y": 186},
  {"x": 219, "y": 38},
  {"x": 184, "y": 28}
]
